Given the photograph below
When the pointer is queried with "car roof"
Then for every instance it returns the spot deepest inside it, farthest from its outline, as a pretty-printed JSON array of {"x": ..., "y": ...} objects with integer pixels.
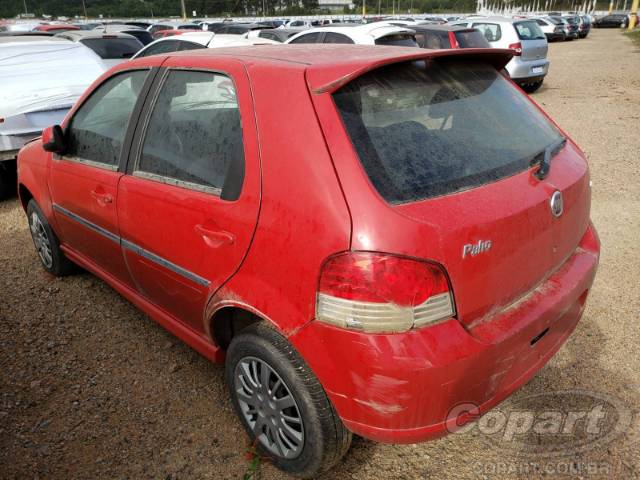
[
  {"x": 495, "y": 19},
  {"x": 329, "y": 66},
  {"x": 31, "y": 39},
  {"x": 376, "y": 29},
  {"x": 441, "y": 28},
  {"x": 77, "y": 35}
]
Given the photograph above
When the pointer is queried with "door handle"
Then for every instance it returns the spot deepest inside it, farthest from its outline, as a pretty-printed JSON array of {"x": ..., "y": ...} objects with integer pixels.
[
  {"x": 102, "y": 198},
  {"x": 215, "y": 238}
]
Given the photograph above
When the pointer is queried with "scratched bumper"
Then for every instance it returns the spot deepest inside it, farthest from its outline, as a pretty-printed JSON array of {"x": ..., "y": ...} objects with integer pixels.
[{"x": 401, "y": 388}]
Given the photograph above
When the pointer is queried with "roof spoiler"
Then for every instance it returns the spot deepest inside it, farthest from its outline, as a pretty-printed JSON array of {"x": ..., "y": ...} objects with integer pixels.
[{"x": 322, "y": 80}]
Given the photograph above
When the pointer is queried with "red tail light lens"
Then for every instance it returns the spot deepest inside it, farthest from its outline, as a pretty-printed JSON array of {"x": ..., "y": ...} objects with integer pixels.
[
  {"x": 377, "y": 292},
  {"x": 517, "y": 48}
]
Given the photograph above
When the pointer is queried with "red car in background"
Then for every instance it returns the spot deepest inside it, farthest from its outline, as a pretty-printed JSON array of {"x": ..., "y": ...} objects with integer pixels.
[
  {"x": 171, "y": 33},
  {"x": 55, "y": 28},
  {"x": 410, "y": 234}
]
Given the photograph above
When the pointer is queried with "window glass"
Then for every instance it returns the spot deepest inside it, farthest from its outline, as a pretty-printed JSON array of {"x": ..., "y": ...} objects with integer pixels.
[
  {"x": 529, "y": 31},
  {"x": 97, "y": 130},
  {"x": 113, "y": 48},
  {"x": 491, "y": 31},
  {"x": 183, "y": 45},
  {"x": 194, "y": 136},
  {"x": 397, "y": 40},
  {"x": 471, "y": 39},
  {"x": 307, "y": 38},
  {"x": 424, "y": 129},
  {"x": 167, "y": 46},
  {"x": 331, "y": 37}
]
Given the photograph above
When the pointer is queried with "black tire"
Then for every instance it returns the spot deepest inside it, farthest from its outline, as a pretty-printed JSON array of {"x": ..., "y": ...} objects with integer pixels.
[
  {"x": 52, "y": 259},
  {"x": 324, "y": 437},
  {"x": 7, "y": 179},
  {"x": 531, "y": 87}
]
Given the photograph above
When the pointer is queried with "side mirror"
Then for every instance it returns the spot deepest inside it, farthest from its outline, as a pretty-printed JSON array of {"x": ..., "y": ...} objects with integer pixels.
[{"x": 53, "y": 139}]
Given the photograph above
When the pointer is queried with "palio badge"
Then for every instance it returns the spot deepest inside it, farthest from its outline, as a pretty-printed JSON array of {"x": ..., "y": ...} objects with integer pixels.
[{"x": 474, "y": 249}]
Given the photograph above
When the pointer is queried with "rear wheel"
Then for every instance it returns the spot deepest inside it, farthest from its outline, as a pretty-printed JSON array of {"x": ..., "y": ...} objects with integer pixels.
[
  {"x": 531, "y": 87},
  {"x": 281, "y": 404},
  {"x": 47, "y": 243}
]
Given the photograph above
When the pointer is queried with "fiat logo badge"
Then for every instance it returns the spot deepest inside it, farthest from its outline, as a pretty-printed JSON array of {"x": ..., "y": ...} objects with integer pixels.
[{"x": 556, "y": 203}]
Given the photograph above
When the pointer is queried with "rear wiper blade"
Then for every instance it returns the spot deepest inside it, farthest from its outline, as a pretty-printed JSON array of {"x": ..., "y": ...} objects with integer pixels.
[{"x": 545, "y": 164}]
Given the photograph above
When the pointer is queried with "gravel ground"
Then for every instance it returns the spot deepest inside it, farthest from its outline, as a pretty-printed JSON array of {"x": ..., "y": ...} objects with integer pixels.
[{"x": 91, "y": 388}]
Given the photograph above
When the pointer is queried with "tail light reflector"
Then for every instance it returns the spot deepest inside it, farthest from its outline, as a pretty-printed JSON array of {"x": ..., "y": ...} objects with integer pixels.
[
  {"x": 517, "y": 48},
  {"x": 377, "y": 292}
]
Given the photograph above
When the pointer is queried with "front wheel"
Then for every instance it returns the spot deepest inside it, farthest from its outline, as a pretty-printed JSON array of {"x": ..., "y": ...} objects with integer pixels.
[
  {"x": 281, "y": 404},
  {"x": 46, "y": 242}
]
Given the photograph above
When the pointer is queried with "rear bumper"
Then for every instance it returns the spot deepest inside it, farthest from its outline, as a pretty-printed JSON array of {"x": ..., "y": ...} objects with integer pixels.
[
  {"x": 402, "y": 388},
  {"x": 11, "y": 144},
  {"x": 524, "y": 70}
]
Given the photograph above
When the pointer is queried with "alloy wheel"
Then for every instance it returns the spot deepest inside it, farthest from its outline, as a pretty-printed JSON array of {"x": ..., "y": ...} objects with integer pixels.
[
  {"x": 269, "y": 408},
  {"x": 41, "y": 240}
]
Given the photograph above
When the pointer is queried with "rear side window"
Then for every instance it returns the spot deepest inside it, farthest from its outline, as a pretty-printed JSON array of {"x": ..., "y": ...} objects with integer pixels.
[
  {"x": 331, "y": 37},
  {"x": 434, "y": 40},
  {"x": 423, "y": 130},
  {"x": 529, "y": 30},
  {"x": 398, "y": 40},
  {"x": 471, "y": 39},
  {"x": 194, "y": 136},
  {"x": 167, "y": 46},
  {"x": 113, "y": 48},
  {"x": 189, "y": 46},
  {"x": 308, "y": 38},
  {"x": 491, "y": 31}
]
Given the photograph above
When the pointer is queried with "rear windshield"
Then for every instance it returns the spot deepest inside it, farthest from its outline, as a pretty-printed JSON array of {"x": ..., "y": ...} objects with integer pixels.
[
  {"x": 425, "y": 129},
  {"x": 471, "y": 39},
  {"x": 110, "y": 48},
  {"x": 398, "y": 40},
  {"x": 529, "y": 30}
]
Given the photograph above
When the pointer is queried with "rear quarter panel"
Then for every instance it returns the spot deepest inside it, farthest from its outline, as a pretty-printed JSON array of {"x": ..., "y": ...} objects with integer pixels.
[{"x": 303, "y": 217}]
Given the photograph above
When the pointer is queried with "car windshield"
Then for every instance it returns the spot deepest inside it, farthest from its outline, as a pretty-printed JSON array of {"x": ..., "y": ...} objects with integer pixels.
[
  {"x": 111, "y": 48},
  {"x": 529, "y": 30},
  {"x": 425, "y": 129}
]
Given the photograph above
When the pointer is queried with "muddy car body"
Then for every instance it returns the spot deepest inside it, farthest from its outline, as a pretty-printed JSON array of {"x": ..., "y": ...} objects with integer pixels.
[{"x": 360, "y": 277}]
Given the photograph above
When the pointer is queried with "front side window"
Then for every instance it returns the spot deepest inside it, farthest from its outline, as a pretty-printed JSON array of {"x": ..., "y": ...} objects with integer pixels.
[
  {"x": 194, "y": 135},
  {"x": 96, "y": 132},
  {"x": 491, "y": 31},
  {"x": 425, "y": 129}
]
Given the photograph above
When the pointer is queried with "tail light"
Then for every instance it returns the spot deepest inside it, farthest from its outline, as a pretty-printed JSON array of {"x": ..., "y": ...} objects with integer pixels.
[
  {"x": 517, "y": 48},
  {"x": 377, "y": 292}
]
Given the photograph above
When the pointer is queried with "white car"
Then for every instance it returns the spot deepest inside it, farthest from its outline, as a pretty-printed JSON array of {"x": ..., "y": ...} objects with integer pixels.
[
  {"x": 529, "y": 64},
  {"x": 41, "y": 80},
  {"x": 380, "y": 33},
  {"x": 194, "y": 40},
  {"x": 551, "y": 29}
]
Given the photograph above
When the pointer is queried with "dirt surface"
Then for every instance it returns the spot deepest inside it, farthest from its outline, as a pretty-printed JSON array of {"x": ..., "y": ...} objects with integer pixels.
[{"x": 91, "y": 388}]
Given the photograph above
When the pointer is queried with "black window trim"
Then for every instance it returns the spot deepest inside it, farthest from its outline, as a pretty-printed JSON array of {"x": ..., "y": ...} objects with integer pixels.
[
  {"x": 133, "y": 121},
  {"x": 143, "y": 124}
]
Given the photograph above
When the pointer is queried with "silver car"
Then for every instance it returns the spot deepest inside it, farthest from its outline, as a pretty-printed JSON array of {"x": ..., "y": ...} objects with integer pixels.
[{"x": 529, "y": 65}]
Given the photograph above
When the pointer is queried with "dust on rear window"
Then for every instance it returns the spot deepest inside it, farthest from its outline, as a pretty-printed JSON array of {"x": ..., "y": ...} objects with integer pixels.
[{"x": 425, "y": 129}]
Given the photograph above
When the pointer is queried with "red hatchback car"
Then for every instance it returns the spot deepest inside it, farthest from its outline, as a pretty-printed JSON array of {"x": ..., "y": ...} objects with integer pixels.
[{"x": 410, "y": 233}]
